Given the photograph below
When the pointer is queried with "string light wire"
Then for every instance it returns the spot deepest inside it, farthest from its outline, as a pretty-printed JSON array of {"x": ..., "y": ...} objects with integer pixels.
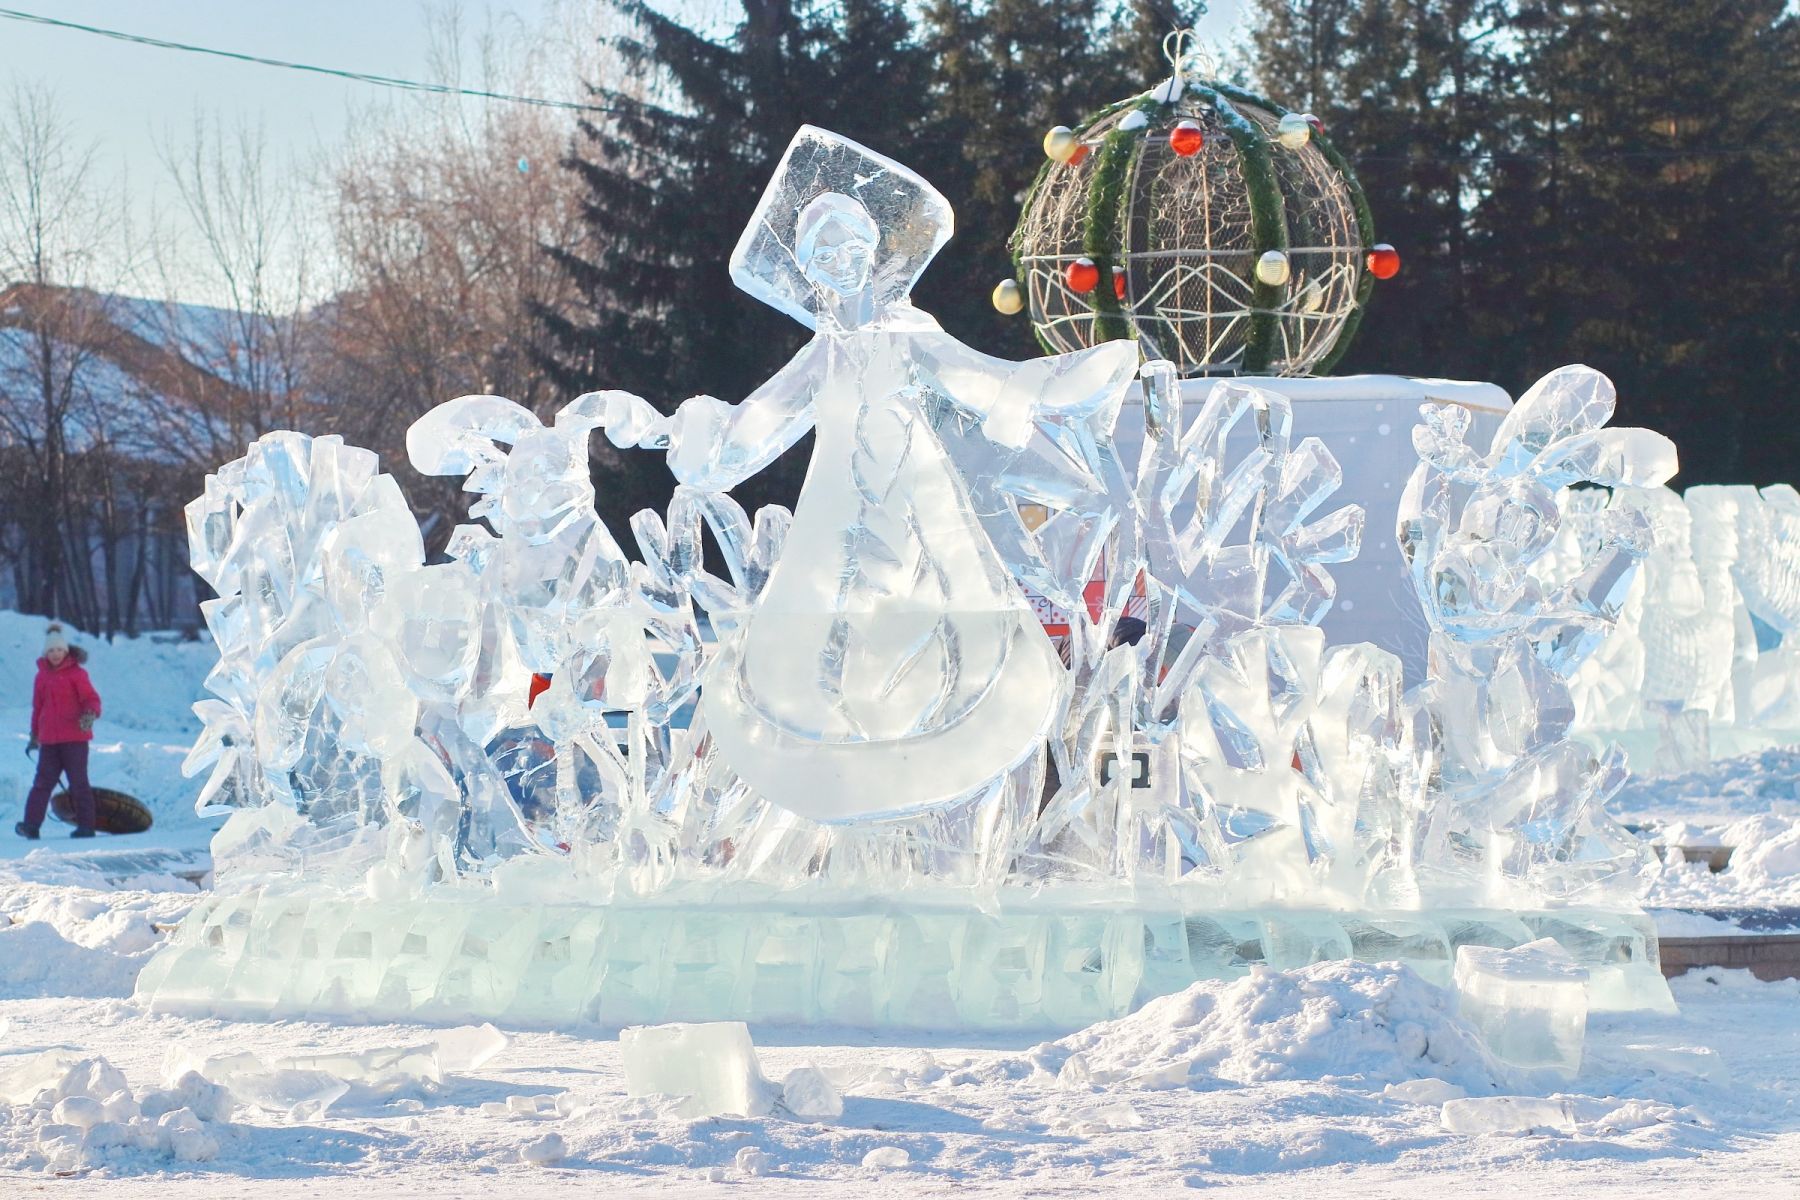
[
  {"x": 388, "y": 81},
  {"x": 445, "y": 89}
]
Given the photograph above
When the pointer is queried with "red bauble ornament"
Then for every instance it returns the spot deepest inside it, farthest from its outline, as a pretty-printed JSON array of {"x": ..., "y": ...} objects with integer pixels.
[
  {"x": 1080, "y": 152},
  {"x": 1187, "y": 138},
  {"x": 1384, "y": 261},
  {"x": 1318, "y": 125},
  {"x": 1119, "y": 282},
  {"x": 1082, "y": 276}
]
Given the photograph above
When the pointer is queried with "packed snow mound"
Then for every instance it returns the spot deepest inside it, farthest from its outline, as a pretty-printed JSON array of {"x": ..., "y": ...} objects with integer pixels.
[
  {"x": 1764, "y": 869},
  {"x": 66, "y": 941},
  {"x": 1751, "y": 784},
  {"x": 1351, "y": 1023},
  {"x": 1767, "y": 851},
  {"x": 66, "y": 1113}
]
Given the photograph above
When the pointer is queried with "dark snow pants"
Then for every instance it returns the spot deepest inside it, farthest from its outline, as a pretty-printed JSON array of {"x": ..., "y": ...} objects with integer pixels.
[{"x": 54, "y": 761}]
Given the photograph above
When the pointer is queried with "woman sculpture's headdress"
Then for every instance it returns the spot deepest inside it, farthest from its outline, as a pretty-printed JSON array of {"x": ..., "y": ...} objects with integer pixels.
[{"x": 912, "y": 218}]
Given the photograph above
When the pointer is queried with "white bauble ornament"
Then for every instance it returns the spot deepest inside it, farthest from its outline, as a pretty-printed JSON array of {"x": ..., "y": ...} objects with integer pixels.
[
  {"x": 1294, "y": 131},
  {"x": 1059, "y": 144},
  {"x": 1007, "y": 297},
  {"x": 1273, "y": 269}
]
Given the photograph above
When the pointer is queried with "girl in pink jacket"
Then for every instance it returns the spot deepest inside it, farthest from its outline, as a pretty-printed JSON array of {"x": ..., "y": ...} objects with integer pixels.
[{"x": 64, "y": 707}]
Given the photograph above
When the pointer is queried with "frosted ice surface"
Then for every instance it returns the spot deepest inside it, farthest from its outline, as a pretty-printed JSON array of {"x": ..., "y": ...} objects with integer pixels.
[
  {"x": 1507, "y": 1115},
  {"x": 810, "y": 1095},
  {"x": 469, "y": 1046},
  {"x": 1530, "y": 1004},
  {"x": 712, "y": 1067}
]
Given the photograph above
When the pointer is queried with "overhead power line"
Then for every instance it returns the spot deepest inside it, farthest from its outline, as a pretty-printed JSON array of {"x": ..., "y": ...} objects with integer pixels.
[{"x": 388, "y": 81}]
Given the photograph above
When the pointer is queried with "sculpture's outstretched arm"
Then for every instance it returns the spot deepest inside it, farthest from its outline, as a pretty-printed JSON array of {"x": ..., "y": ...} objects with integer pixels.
[
  {"x": 715, "y": 446},
  {"x": 1009, "y": 396}
]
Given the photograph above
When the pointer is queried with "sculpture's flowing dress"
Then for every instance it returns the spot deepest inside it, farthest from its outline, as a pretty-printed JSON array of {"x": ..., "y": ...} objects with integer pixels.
[{"x": 891, "y": 651}]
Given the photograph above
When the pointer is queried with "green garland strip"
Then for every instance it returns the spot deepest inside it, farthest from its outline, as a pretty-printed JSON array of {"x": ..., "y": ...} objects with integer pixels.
[
  {"x": 1365, "y": 223},
  {"x": 1103, "y": 235},
  {"x": 1015, "y": 244},
  {"x": 1268, "y": 225}
]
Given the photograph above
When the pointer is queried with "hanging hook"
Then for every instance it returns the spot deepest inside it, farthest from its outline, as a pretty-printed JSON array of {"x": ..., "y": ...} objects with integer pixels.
[{"x": 1182, "y": 48}]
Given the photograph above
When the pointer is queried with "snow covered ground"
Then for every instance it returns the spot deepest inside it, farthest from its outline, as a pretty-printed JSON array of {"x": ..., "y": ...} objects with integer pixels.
[{"x": 1342, "y": 1080}]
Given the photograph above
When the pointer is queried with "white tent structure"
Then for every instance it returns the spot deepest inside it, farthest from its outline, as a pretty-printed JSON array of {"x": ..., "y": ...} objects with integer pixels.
[{"x": 1366, "y": 421}]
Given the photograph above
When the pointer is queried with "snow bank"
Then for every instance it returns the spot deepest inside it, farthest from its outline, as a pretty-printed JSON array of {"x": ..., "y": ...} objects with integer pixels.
[
  {"x": 61, "y": 1112},
  {"x": 1362, "y": 1024},
  {"x": 67, "y": 941},
  {"x": 1764, "y": 870},
  {"x": 1721, "y": 791}
]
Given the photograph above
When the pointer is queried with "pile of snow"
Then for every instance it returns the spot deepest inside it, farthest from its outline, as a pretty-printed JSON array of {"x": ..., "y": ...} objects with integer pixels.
[
  {"x": 62, "y": 1112},
  {"x": 1366, "y": 1025},
  {"x": 1764, "y": 870},
  {"x": 71, "y": 941},
  {"x": 1721, "y": 791}
]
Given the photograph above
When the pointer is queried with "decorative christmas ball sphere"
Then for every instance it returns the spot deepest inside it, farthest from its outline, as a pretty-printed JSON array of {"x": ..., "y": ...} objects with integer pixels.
[
  {"x": 1384, "y": 261},
  {"x": 1082, "y": 276},
  {"x": 1059, "y": 144},
  {"x": 1294, "y": 131},
  {"x": 1187, "y": 138},
  {"x": 1007, "y": 297},
  {"x": 1231, "y": 253},
  {"x": 1273, "y": 268},
  {"x": 1318, "y": 126}
]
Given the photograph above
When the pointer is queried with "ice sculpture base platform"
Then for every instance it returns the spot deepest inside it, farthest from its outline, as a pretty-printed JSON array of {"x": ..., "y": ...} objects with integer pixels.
[{"x": 1027, "y": 965}]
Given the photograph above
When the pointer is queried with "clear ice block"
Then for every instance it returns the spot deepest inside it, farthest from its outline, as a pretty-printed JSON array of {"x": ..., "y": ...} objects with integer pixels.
[
  {"x": 712, "y": 1067},
  {"x": 1529, "y": 1004}
]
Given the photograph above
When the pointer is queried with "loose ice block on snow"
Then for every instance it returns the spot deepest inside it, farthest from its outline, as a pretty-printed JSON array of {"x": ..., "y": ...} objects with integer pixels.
[
  {"x": 712, "y": 1065},
  {"x": 1529, "y": 1004}
]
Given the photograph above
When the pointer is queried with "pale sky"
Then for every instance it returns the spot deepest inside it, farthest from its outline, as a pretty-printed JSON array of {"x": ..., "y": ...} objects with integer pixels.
[{"x": 126, "y": 98}]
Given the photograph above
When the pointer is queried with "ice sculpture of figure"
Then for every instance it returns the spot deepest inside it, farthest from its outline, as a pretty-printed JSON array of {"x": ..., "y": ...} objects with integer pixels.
[
  {"x": 1520, "y": 801},
  {"x": 892, "y": 661}
]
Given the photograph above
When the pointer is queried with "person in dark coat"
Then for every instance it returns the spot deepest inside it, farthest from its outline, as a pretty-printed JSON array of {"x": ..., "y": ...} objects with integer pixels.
[{"x": 64, "y": 707}]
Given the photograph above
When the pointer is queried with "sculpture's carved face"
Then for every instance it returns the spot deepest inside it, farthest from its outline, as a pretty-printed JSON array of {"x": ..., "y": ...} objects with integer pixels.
[{"x": 839, "y": 257}]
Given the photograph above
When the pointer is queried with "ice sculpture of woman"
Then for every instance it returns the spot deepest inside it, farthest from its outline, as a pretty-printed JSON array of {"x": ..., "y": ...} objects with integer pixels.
[{"x": 891, "y": 661}]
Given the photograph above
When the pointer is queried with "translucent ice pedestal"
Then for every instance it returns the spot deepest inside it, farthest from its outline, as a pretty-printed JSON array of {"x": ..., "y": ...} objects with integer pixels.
[{"x": 1529, "y": 1004}]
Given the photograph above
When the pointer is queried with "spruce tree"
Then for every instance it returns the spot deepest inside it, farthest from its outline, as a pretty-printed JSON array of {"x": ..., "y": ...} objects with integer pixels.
[
  {"x": 1643, "y": 217},
  {"x": 1005, "y": 73},
  {"x": 1409, "y": 89},
  {"x": 672, "y": 175}
]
